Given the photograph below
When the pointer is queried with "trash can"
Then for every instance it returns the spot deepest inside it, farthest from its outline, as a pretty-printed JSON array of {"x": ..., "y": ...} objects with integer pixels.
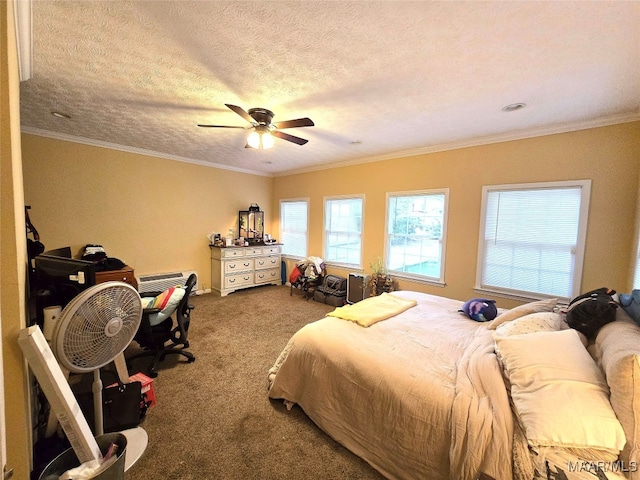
[{"x": 68, "y": 460}]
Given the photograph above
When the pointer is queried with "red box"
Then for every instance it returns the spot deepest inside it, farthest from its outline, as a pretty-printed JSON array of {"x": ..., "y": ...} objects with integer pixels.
[{"x": 147, "y": 386}]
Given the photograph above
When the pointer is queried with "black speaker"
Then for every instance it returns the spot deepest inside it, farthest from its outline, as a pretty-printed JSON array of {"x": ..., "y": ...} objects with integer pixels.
[{"x": 357, "y": 288}]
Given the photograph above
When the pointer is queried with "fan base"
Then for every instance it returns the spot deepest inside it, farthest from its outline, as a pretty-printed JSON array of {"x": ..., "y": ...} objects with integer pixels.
[{"x": 137, "y": 440}]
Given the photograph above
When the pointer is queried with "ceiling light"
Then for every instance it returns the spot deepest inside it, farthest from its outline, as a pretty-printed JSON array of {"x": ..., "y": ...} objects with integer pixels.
[
  {"x": 514, "y": 106},
  {"x": 60, "y": 115},
  {"x": 260, "y": 138},
  {"x": 254, "y": 139},
  {"x": 267, "y": 140}
]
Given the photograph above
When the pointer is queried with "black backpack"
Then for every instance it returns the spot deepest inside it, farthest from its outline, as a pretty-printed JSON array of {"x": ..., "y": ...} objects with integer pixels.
[{"x": 589, "y": 312}]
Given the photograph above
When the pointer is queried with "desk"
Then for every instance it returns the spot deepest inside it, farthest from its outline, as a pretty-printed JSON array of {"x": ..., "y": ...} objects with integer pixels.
[{"x": 125, "y": 275}]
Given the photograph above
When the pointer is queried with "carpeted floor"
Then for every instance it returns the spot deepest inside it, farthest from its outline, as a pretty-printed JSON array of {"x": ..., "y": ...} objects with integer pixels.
[{"x": 214, "y": 420}]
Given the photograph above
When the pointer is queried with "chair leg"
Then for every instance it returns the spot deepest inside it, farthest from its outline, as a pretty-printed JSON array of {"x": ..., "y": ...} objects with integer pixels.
[{"x": 159, "y": 356}]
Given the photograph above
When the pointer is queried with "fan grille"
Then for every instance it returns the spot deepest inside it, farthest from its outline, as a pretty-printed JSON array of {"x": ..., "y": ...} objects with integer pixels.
[{"x": 97, "y": 326}]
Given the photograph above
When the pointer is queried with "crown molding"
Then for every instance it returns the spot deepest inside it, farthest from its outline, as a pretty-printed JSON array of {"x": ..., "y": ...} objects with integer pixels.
[
  {"x": 23, "y": 19},
  {"x": 140, "y": 151},
  {"x": 475, "y": 142},
  {"x": 487, "y": 140}
]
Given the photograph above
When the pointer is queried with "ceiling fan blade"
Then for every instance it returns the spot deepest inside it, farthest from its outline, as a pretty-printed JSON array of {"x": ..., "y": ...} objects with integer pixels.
[
  {"x": 289, "y": 138},
  {"x": 240, "y": 111},
  {"x": 219, "y": 126},
  {"x": 298, "y": 122}
]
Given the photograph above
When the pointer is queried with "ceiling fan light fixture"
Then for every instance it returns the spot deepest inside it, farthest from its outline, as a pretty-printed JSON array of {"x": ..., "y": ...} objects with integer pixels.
[
  {"x": 259, "y": 139},
  {"x": 262, "y": 128},
  {"x": 267, "y": 140},
  {"x": 254, "y": 139}
]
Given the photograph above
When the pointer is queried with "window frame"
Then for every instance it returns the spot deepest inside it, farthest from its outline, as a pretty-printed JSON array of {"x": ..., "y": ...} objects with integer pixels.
[
  {"x": 281, "y": 240},
  {"x": 635, "y": 269},
  {"x": 419, "y": 278},
  {"x": 578, "y": 266},
  {"x": 324, "y": 231}
]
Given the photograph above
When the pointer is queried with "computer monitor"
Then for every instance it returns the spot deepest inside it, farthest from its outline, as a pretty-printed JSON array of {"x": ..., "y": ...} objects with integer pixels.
[
  {"x": 63, "y": 278},
  {"x": 60, "y": 252}
]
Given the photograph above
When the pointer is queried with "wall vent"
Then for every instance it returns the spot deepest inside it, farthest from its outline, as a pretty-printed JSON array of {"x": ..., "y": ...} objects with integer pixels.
[{"x": 159, "y": 282}]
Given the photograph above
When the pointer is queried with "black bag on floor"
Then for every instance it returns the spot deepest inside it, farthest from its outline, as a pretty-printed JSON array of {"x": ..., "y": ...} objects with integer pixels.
[
  {"x": 589, "y": 312},
  {"x": 333, "y": 291},
  {"x": 123, "y": 406}
]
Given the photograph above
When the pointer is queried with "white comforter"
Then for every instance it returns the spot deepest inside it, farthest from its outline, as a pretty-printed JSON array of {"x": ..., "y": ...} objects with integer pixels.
[{"x": 418, "y": 396}]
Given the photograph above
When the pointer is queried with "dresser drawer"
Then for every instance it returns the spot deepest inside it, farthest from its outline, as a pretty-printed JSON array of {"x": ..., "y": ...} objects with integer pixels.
[
  {"x": 253, "y": 250},
  {"x": 231, "y": 252},
  {"x": 240, "y": 265},
  {"x": 239, "y": 280},
  {"x": 125, "y": 275},
  {"x": 274, "y": 249},
  {"x": 267, "y": 262},
  {"x": 264, "y": 276}
]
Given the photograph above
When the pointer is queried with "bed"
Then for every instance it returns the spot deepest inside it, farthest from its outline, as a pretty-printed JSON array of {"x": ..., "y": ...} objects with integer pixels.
[{"x": 430, "y": 393}]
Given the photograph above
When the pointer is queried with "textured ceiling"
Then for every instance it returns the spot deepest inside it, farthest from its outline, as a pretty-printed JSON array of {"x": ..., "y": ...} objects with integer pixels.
[{"x": 377, "y": 78}]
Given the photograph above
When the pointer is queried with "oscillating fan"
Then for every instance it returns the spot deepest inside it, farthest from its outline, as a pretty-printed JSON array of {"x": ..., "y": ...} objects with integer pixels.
[{"x": 93, "y": 330}]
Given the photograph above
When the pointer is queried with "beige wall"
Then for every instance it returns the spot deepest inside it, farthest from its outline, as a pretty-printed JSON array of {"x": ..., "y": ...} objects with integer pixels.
[
  {"x": 609, "y": 156},
  {"x": 13, "y": 259},
  {"x": 152, "y": 213}
]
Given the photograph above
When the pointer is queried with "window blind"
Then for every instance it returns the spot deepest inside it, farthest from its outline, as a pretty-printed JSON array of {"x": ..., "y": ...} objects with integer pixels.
[
  {"x": 530, "y": 240},
  {"x": 343, "y": 231},
  {"x": 293, "y": 227}
]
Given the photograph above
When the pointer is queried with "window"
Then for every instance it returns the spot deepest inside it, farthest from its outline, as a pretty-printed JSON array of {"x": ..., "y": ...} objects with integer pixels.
[
  {"x": 293, "y": 227},
  {"x": 416, "y": 226},
  {"x": 532, "y": 238},
  {"x": 343, "y": 230}
]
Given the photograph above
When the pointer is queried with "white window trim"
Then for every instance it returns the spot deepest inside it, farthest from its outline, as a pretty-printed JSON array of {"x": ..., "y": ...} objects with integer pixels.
[
  {"x": 439, "y": 282},
  {"x": 289, "y": 200},
  {"x": 324, "y": 230},
  {"x": 635, "y": 257},
  {"x": 576, "y": 280}
]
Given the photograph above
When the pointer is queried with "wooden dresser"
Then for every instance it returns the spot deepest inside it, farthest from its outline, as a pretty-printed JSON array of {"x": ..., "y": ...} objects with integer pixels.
[
  {"x": 234, "y": 268},
  {"x": 125, "y": 275}
]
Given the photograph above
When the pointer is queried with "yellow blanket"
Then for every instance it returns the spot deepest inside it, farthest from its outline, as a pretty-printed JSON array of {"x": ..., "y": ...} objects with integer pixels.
[{"x": 373, "y": 309}]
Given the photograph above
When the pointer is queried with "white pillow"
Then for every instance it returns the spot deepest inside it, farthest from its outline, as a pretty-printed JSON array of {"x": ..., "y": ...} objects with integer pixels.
[
  {"x": 560, "y": 395},
  {"x": 522, "y": 310},
  {"x": 532, "y": 323}
]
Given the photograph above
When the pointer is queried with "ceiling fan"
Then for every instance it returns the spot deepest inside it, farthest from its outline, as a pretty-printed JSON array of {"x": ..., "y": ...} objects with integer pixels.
[{"x": 263, "y": 130}]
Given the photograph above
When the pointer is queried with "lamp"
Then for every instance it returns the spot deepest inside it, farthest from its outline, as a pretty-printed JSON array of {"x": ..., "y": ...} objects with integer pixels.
[{"x": 260, "y": 138}]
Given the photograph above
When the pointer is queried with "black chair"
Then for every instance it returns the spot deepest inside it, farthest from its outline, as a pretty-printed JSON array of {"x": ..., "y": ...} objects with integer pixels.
[{"x": 164, "y": 338}]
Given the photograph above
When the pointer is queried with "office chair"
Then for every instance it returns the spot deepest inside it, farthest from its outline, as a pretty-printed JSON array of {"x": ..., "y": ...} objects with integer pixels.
[{"x": 157, "y": 334}]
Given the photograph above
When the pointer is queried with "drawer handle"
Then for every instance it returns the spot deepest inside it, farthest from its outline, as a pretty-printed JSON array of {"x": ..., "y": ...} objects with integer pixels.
[
  {"x": 232, "y": 265},
  {"x": 246, "y": 264},
  {"x": 232, "y": 280}
]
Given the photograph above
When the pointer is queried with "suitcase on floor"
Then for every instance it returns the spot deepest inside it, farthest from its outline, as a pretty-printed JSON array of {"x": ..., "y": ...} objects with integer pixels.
[{"x": 333, "y": 291}]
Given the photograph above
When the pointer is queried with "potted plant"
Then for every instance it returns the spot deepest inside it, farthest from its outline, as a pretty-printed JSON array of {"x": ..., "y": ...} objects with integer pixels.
[{"x": 380, "y": 280}]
